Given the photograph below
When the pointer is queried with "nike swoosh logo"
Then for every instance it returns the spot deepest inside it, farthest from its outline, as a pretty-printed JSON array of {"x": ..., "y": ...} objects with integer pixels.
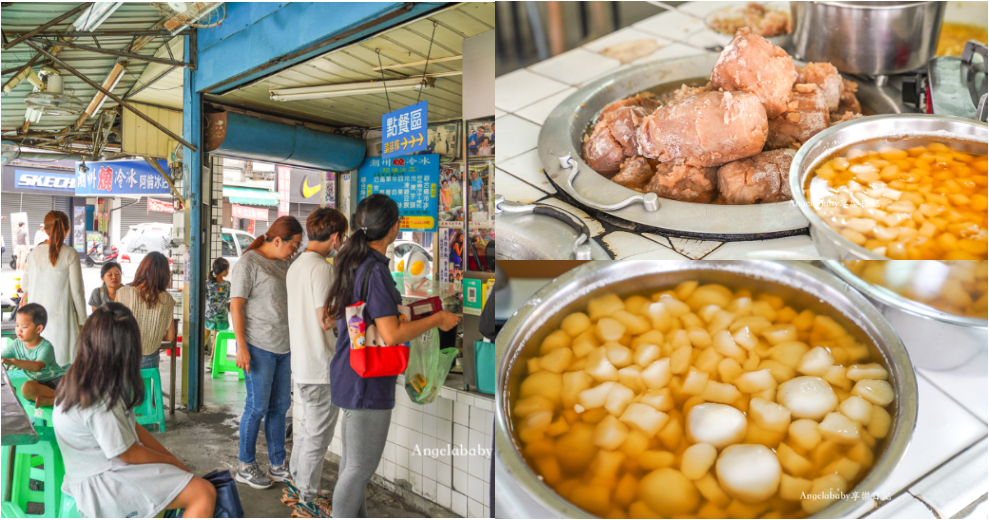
[{"x": 306, "y": 190}]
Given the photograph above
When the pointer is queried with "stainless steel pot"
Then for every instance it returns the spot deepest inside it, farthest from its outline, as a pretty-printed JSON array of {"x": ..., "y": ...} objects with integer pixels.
[
  {"x": 936, "y": 340},
  {"x": 871, "y": 38},
  {"x": 901, "y": 130},
  {"x": 800, "y": 283},
  {"x": 560, "y": 143}
]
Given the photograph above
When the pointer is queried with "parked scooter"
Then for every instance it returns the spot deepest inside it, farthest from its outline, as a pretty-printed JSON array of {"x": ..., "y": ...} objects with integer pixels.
[{"x": 96, "y": 256}]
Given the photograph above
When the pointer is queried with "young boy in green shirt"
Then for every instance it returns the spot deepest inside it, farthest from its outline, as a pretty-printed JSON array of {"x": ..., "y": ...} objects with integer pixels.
[{"x": 34, "y": 355}]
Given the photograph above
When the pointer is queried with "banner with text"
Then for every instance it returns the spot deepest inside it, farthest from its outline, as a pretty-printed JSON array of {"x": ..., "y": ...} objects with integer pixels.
[
  {"x": 411, "y": 181},
  {"x": 130, "y": 177},
  {"x": 248, "y": 212},
  {"x": 404, "y": 130}
]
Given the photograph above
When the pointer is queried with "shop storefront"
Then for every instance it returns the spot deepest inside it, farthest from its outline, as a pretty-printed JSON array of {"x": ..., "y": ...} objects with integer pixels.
[{"x": 28, "y": 194}]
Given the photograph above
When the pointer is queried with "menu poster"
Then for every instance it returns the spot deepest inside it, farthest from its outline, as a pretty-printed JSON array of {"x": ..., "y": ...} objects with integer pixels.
[
  {"x": 79, "y": 228},
  {"x": 451, "y": 193},
  {"x": 330, "y": 193},
  {"x": 450, "y": 268},
  {"x": 284, "y": 177},
  {"x": 412, "y": 181}
]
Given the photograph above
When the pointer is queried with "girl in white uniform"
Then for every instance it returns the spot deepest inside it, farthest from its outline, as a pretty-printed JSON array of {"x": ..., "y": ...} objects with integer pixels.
[{"x": 114, "y": 468}]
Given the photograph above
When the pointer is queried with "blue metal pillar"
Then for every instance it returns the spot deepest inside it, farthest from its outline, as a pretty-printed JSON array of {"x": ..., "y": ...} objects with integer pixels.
[{"x": 197, "y": 241}]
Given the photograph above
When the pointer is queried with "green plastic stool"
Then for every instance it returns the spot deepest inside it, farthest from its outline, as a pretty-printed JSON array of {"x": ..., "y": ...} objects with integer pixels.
[
  {"x": 220, "y": 362},
  {"x": 152, "y": 410},
  {"x": 41, "y": 462},
  {"x": 42, "y": 418},
  {"x": 67, "y": 509}
]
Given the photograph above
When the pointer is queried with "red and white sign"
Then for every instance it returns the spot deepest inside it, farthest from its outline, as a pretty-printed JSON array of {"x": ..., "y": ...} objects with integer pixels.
[
  {"x": 160, "y": 206},
  {"x": 284, "y": 189},
  {"x": 238, "y": 211}
]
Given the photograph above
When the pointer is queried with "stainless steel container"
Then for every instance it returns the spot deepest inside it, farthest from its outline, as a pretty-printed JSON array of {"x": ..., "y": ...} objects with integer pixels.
[
  {"x": 936, "y": 340},
  {"x": 562, "y": 137},
  {"x": 870, "y": 38},
  {"x": 800, "y": 283},
  {"x": 894, "y": 130}
]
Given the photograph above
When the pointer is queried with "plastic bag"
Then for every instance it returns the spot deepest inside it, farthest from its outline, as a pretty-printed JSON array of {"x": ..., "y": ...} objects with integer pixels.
[
  {"x": 428, "y": 367},
  {"x": 228, "y": 503}
]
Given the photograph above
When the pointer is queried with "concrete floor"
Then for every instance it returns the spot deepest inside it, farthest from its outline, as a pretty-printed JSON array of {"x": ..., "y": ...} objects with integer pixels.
[{"x": 209, "y": 439}]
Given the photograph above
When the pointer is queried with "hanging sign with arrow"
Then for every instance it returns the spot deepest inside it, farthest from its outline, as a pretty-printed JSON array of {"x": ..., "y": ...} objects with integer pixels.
[{"x": 403, "y": 131}]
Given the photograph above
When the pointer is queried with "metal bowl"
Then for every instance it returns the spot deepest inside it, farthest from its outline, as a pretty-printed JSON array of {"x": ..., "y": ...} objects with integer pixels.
[
  {"x": 783, "y": 40},
  {"x": 562, "y": 136},
  {"x": 870, "y": 38},
  {"x": 900, "y": 129},
  {"x": 935, "y": 339},
  {"x": 800, "y": 283}
]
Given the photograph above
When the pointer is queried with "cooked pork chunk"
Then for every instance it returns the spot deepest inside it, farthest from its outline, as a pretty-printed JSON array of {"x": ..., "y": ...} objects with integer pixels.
[
  {"x": 623, "y": 123},
  {"x": 757, "y": 180},
  {"x": 684, "y": 183},
  {"x": 686, "y": 91},
  {"x": 644, "y": 100},
  {"x": 752, "y": 64},
  {"x": 827, "y": 78},
  {"x": 634, "y": 174},
  {"x": 614, "y": 135},
  {"x": 602, "y": 152},
  {"x": 848, "y": 102},
  {"x": 806, "y": 115},
  {"x": 709, "y": 129}
]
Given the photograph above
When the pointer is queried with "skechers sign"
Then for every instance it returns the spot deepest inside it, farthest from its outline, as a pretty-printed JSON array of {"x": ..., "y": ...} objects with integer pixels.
[
  {"x": 45, "y": 180},
  {"x": 133, "y": 177}
]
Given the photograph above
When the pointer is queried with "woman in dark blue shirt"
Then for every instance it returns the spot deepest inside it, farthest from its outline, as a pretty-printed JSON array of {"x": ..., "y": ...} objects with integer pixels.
[{"x": 367, "y": 402}]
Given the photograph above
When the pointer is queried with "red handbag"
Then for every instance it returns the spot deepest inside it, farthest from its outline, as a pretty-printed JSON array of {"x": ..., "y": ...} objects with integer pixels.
[{"x": 370, "y": 356}]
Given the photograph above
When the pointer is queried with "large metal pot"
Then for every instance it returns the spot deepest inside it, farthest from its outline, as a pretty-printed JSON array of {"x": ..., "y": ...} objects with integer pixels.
[
  {"x": 799, "y": 283},
  {"x": 871, "y": 38},
  {"x": 899, "y": 130},
  {"x": 560, "y": 144},
  {"x": 936, "y": 340}
]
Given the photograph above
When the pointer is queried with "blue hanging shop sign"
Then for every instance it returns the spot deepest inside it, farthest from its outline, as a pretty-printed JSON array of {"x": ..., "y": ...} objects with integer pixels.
[
  {"x": 404, "y": 131},
  {"x": 130, "y": 177},
  {"x": 411, "y": 181}
]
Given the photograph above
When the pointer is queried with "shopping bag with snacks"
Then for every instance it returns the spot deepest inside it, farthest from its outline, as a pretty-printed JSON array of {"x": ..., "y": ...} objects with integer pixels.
[{"x": 428, "y": 367}]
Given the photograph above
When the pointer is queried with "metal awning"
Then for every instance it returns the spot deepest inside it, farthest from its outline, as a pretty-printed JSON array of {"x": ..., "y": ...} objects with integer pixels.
[{"x": 250, "y": 196}]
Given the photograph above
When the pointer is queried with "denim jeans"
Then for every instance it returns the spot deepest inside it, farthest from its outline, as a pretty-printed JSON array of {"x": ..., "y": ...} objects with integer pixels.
[
  {"x": 151, "y": 360},
  {"x": 269, "y": 396}
]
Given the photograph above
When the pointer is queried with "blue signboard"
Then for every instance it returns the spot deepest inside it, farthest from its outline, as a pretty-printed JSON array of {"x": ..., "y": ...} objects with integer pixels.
[
  {"x": 130, "y": 177},
  {"x": 44, "y": 180},
  {"x": 404, "y": 131},
  {"x": 411, "y": 181}
]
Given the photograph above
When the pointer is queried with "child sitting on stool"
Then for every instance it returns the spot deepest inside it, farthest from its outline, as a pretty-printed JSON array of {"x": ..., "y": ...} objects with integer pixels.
[{"x": 34, "y": 355}]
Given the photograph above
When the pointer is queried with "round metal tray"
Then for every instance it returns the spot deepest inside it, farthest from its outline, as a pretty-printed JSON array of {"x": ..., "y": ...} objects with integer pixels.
[{"x": 562, "y": 135}]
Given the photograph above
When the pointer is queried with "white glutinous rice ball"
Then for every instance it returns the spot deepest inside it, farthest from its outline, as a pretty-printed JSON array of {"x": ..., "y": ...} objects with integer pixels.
[
  {"x": 807, "y": 397},
  {"x": 716, "y": 424},
  {"x": 748, "y": 472}
]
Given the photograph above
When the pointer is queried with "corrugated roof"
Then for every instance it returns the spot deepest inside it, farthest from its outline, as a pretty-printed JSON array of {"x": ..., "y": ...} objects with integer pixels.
[
  {"x": 404, "y": 44},
  {"x": 24, "y": 16}
]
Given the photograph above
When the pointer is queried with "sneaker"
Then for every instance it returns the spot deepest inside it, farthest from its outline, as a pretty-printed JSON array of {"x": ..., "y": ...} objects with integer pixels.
[
  {"x": 319, "y": 507},
  {"x": 251, "y": 475},
  {"x": 280, "y": 473}
]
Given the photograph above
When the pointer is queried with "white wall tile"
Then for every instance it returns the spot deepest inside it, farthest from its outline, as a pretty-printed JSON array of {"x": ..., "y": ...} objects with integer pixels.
[
  {"x": 461, "y": 413},
  {"x": 444, "y": 474},
  {"x": 415, "y": 462},
  {"x": 478, "y": 419},
  {"x": 415, "y": 420},
  {"x": 487, "y": 472},
  {"x": 475, "y": 488},
  {"x": 401, "y": 474},
  {"x": 474, "y": 508},
  {"x": 529, "y": 168},
  {"x": 443, "y": 494},
  {"x": 389, "y": 453},
  {"x": 429, "y": 488},
  {"x": 517, "y": 137},
  {"x": 486, "y": 404},
  {"x": 521, "y": 88},
  {"x": 489, "y": 426},
  {"x": 402, "y": 456},
  {"x": 429, "y": 467},
  {"x": 799, "y": 247},
  {"x": 903, "y": 506},
  {"x": 389, "y": 470},
  {"x": 458, "y": 503},
  {"x": 460, "y": 480},
  {"x": 476, "y": 440},
  {"x": 575, "y": 66},
  {"x": 429, "y": 425},
  {"x": 444, "y": 430},
  {"x": 444, "y": 407},
  {"x": 487, "y": 512},
  {"x": 448, "y": 393},
  {"x": 517, "y": 190},
  {"x": 540, "y": 110},
  {"x": 416, "y": 480},
  {"x": 461, "y": 435},
  {"x": 465, "y": 398},
  {"x": 430, "y": 409},
  {"x": 461, "y": 462},
  {"x": 475, "y": 467}
]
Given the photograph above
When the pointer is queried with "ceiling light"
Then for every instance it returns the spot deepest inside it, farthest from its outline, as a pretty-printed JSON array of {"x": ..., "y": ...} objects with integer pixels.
[
  {"x": 95, "y": 15},
  {"x": 350, "y": 89}
]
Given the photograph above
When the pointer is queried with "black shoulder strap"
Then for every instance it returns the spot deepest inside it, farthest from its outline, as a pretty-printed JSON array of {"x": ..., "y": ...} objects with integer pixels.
[{"x": 365, "y": 277}]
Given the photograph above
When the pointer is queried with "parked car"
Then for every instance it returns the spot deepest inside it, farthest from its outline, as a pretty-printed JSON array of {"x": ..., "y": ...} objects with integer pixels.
[
  {"x": 233, "y": 243},
  {"x": 145, "y": 238}
]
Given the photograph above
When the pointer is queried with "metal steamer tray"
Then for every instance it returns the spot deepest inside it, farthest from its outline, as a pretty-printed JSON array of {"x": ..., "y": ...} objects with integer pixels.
[{"x": 561, "y": 138}]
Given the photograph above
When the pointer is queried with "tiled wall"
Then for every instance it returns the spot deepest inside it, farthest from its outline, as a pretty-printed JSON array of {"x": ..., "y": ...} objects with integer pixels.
[{"x": 421, "y": 449}]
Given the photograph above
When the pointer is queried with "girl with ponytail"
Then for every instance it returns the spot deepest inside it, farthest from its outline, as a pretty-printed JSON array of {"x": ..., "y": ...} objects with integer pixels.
[
  {"x": 367, "y": 402},
  {"x": 259, "y": 311},
  {"x": 53, "y": 279}
]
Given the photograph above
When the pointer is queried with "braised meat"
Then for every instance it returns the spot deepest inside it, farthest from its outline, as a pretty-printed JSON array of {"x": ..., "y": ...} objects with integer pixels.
[
  {"x": 602, "y": 152},
  {"x": 848, "y": 102},
  {"x": 678, "y": 181},
  {"x": 827, "y": 78},
  {"x": 709, "y": 129},
  {"x": 806, "y": 115},
  {"x": 751, "y": 64},
  {"x": 759, "y": 179},
  {"x": 635, "y": 173},
  {"x": 643, "y": 100},
  {"x": 686, "y": 91},
  {"x": 614, "y": 135}
]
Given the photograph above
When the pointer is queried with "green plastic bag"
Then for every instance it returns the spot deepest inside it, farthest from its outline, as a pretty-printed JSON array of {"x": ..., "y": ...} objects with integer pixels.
[{"x": 428, "y": 367}]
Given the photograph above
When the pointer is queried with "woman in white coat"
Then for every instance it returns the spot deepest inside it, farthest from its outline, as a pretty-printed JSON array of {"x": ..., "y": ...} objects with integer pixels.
[{"x": 53, "y": 279}]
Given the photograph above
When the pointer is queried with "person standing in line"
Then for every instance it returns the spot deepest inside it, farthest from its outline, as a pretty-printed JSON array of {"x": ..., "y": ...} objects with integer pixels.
[
  {"x": 367, "y": 403},
  {"x": 313, "y": 346},
  {"x": 259, "y": 311},
  {"x": 112, "y": 282},
  {"x": 152, "y": 306},
  {"x": 53, "y": 279},
  {"x": 217, "y": 303}
]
